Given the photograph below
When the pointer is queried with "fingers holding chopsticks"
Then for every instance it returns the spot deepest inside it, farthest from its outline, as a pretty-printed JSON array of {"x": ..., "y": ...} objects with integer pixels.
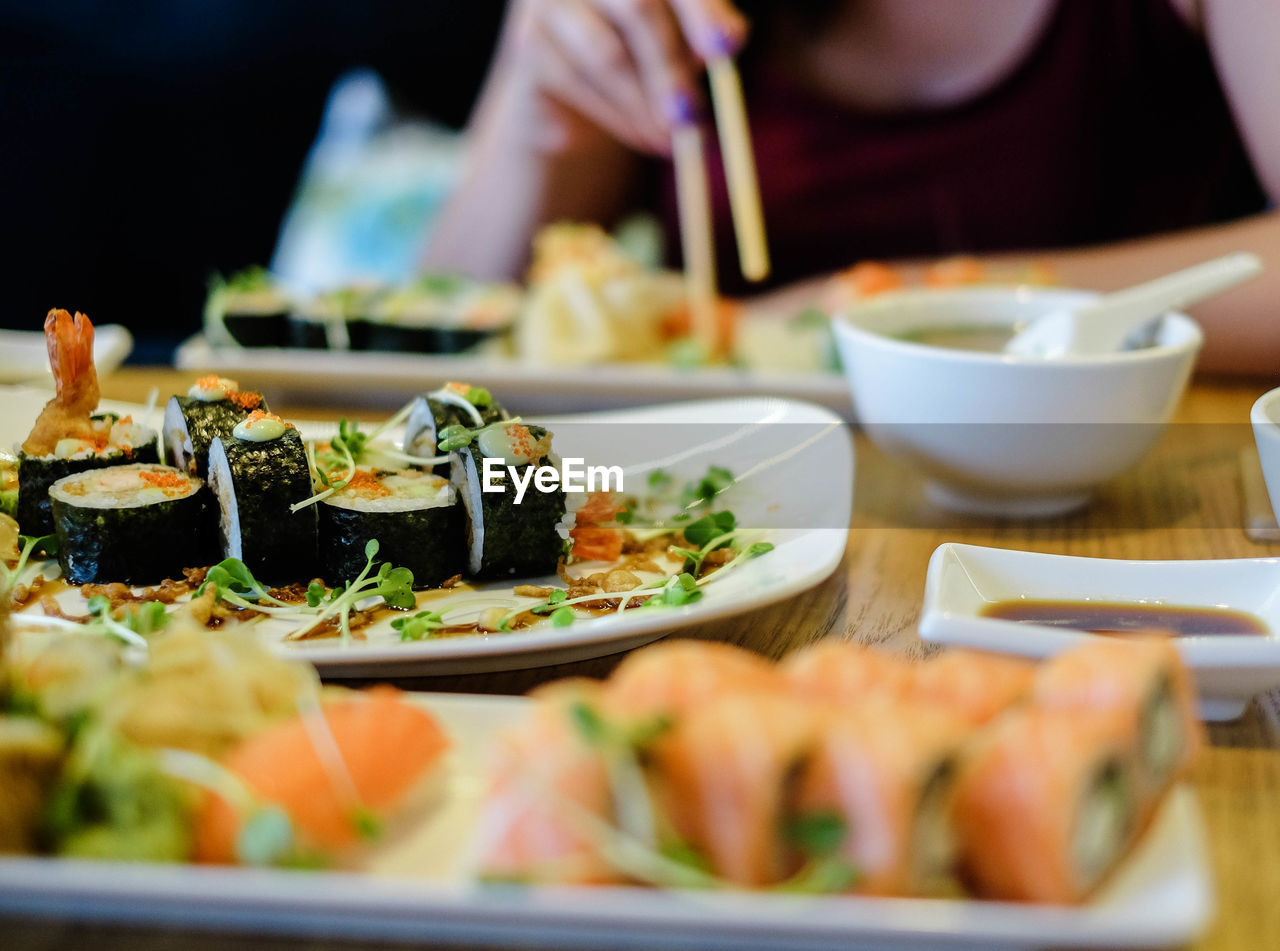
[{"x": 629, "y": 66}]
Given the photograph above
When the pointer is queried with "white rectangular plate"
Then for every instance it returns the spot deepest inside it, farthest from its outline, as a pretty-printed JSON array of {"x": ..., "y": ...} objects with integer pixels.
[
  {"x": 540, "y": 388},
  {"x": 1228, "y": 670},
  {"x": 420, "y": 890},
  {"x": 794, "y": 462}
]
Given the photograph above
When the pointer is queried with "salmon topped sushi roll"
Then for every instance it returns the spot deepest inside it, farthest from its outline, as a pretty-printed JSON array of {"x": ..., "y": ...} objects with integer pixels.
[
  {"x": 1140, "y": 677},
  {"x": 677, "y": 676},
  {"x": 975, "y": 686},
  {"x": 1046, "y": 803},
  {"x": 723, "y": 774},
  {"x": 888, "y": 773},
  {"x": 843, "y": 672},
  {"x": 548, "y": 788}
]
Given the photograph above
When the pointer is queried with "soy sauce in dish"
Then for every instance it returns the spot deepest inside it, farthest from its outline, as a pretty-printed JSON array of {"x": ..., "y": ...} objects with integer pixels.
[{"x": 1117, "y": 617}]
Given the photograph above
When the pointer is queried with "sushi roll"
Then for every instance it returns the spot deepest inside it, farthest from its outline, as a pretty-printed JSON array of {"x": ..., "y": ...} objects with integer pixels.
[
  {"x": 888, "y": 772},
  {"x": 452, "y": 405},
  {"x": 109, "y": 441},
  {"x": 1045, "y": 805},
  {"x": 414, "y": 515},
  {"x": 441, "y": 314},
  {"x": 212, "y": 407},
  {"x": 1141, "y": 679},
  {"x": 256, "y": 474},
  {"x": 724, "y": 772},
  {"x": 547, "y": 783},
  {"x": 138, "y": 524},
  {"x": 250, "y": 309},
  {"x": 320, "y": 323},
  {"x": 505, "y": 537}
]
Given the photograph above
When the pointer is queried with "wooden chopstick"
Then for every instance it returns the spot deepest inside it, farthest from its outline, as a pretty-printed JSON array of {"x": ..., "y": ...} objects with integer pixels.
[
  {"x": 739, "y": 168},
  {"x": 694, "y": 205}
]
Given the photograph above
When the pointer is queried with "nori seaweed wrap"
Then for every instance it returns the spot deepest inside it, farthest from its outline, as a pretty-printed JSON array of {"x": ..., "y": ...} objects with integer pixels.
[
  {"x": 414, "y": 515},
  {"x": 254, "y": 484},
  {"x": 123, "y": 442},
  {"x": 136, "y": 524},
  {"x": 430, "y": 414},
  {"x": 505, "y": 538},
  {"x": 191, "y": 423},
  {"x": 440, "y": 313},
  {"x": 249, "y": 309}
]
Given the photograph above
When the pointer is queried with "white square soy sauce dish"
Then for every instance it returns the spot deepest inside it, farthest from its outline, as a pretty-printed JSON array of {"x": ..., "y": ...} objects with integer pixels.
[{"x": 1229, "y": 670}]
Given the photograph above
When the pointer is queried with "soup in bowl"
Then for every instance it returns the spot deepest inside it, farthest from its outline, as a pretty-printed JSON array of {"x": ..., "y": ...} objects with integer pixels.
[{"x": 999, "y": 434}]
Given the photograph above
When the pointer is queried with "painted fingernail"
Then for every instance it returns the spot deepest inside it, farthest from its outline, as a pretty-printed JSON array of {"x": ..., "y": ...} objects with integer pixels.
[
  {"x": 682, "y": 109},
  {"x": 722, "y": 42}
]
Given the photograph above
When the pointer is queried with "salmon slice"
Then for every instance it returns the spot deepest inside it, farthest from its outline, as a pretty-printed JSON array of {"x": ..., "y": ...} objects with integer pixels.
[
  {"x": 973, "y": 685},
  {"x": 846, "y": 672},
  {"x": 362, "y": 763},
  {"x": 676, "y": 676}
]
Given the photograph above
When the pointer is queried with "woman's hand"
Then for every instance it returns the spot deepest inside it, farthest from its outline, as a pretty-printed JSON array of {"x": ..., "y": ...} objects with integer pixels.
[{"x": 628, "y": 67}]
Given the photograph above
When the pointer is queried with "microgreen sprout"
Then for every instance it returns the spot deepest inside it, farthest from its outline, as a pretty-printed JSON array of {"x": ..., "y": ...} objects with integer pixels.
[
  {"x": 701, "y": 492},
  {"x": 30, "y": 544},
  {"x": 234, "y": 583},
  {"x": 419, "y": 626},
  {"x": 459, "y": 435}
]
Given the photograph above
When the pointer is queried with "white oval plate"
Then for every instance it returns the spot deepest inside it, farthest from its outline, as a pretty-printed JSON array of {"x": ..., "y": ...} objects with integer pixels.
[
  {"x": 1228, "y": 670},
  {"x": 794, "y": 462}
]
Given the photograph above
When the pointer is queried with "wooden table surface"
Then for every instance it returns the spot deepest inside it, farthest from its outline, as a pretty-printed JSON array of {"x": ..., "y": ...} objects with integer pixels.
[{"x": 1184, "y": 500}]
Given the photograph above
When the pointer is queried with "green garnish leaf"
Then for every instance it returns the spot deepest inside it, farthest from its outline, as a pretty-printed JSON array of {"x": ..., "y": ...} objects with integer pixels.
[
  {"x": 707, "y": 488},
  {"x": 371, "y": 549},
  {"x": 816, "y": 834},
  {"x": 315, "y": 594},
  {"x": 454, "y": 437},
  {"x": 590, "y": 724},
  {"x": 709, "y": 527},
  {"x": 418, "y": 627},
  {"x": 367, "y": 824},
  {"x": 758, "y": 548},
  {"x": 479, "y": 396},
  {"x": 562, "y": 617},
  {"x": 659, "y": 479}
]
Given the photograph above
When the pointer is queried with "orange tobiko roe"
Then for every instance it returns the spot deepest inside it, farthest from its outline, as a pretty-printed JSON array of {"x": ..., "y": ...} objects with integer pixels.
[
  {"x": 386, "y": 745},
  {"x": 364, "y": 481},
  {"x": 164, "y": 480}
]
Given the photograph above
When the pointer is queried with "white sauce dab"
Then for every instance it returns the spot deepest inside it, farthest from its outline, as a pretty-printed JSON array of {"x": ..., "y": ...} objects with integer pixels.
[
  {"x": 513, "y": 444},
  {"x": 207, "y": 389},
  {"x": 260, "y": 427}
]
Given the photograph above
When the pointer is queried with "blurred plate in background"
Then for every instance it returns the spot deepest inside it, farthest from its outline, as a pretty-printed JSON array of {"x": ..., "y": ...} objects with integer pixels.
[{"x": 25, "y": 359}]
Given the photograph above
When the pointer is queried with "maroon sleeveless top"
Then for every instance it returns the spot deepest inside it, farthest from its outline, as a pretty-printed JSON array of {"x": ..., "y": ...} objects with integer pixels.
[{"x": 1114, "y": 125}]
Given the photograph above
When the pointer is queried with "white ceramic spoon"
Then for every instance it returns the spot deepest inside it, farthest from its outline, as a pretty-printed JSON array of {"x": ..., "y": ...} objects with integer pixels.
[{"x": 1104, "y": 325}]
